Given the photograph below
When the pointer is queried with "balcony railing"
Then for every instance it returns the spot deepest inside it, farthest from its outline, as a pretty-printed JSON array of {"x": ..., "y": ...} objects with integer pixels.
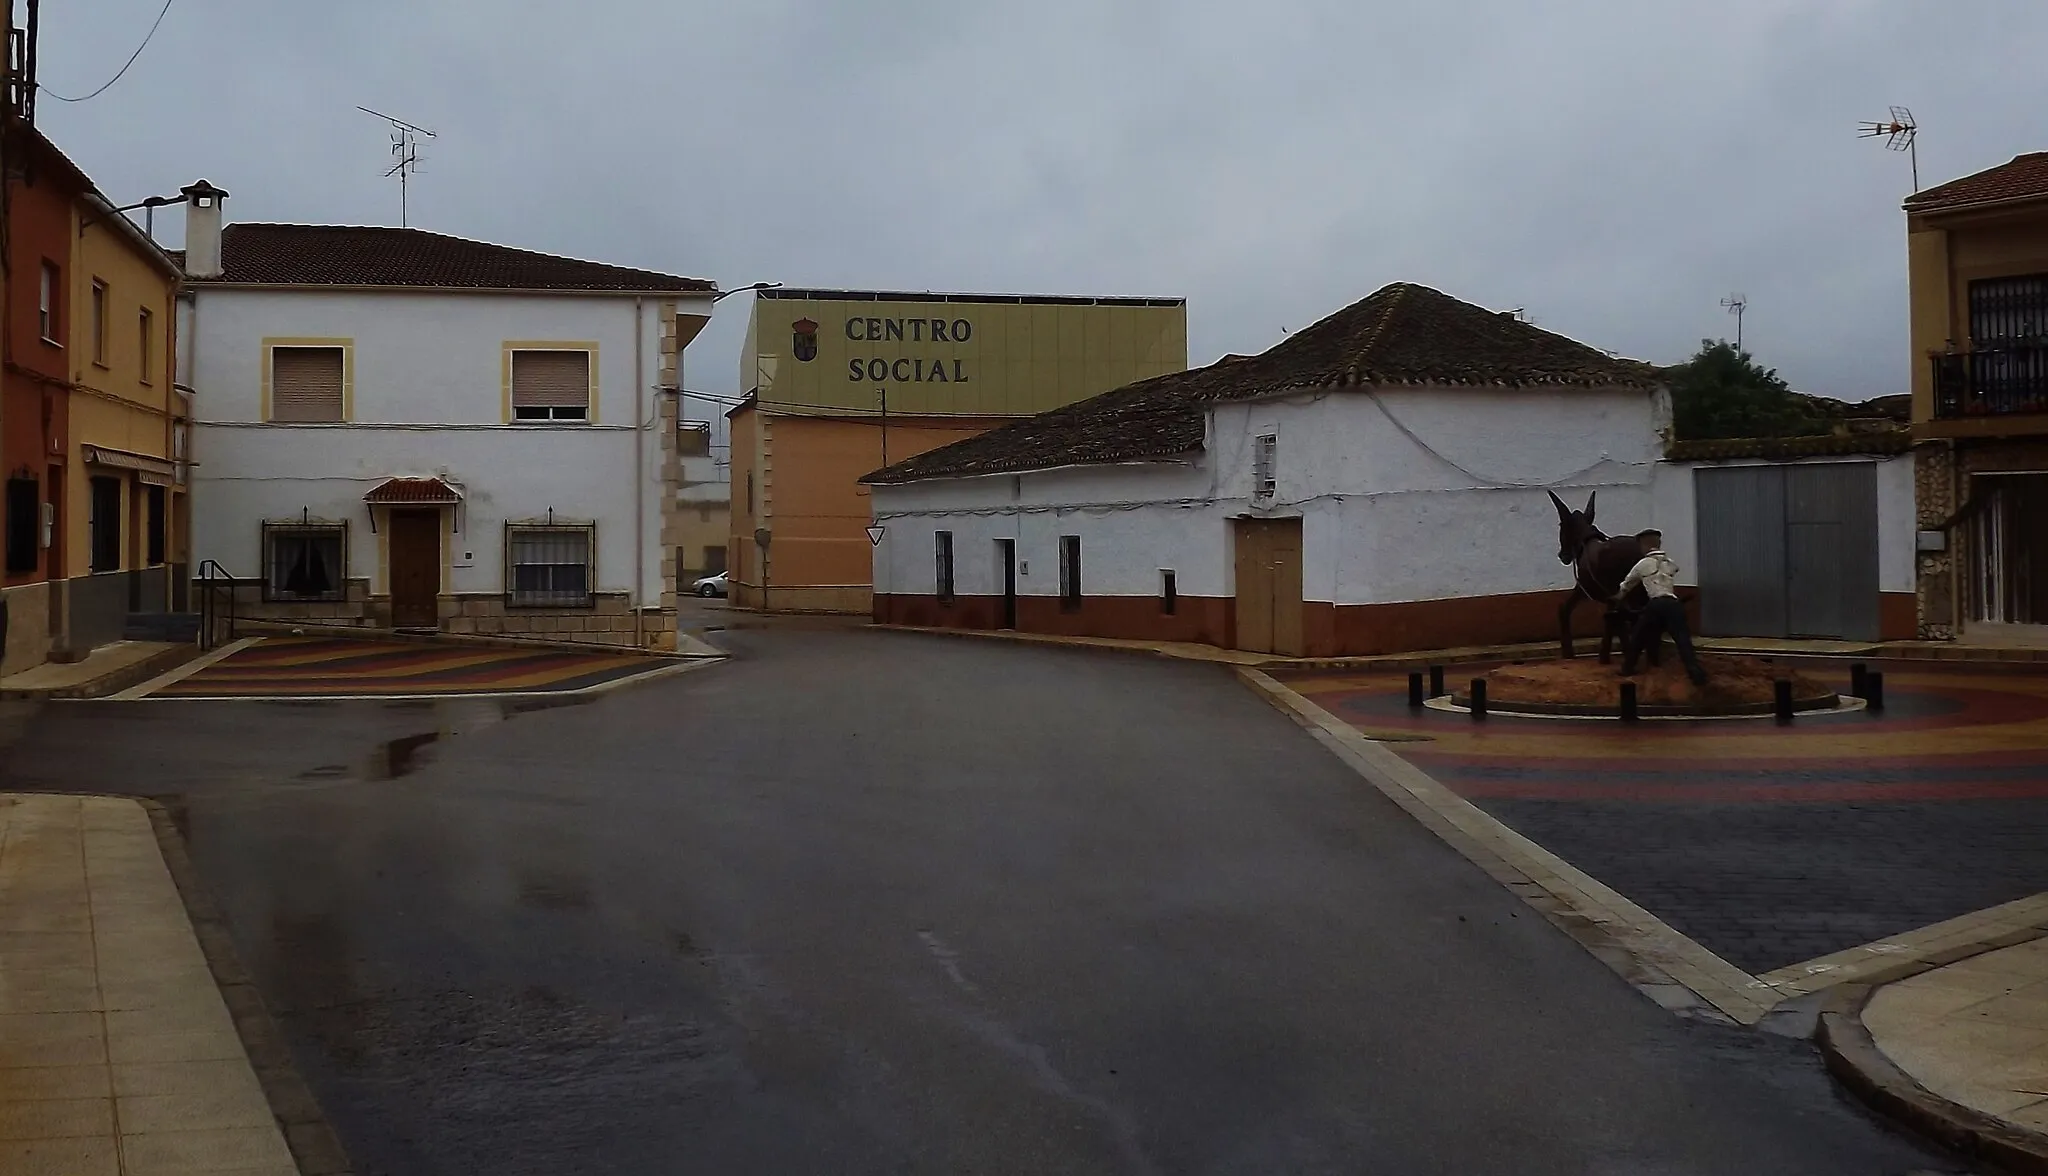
[{"x": 1991, "y": 381}]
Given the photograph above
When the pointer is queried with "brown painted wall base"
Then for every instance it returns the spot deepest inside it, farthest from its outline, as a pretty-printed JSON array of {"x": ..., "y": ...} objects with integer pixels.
[
  {"x": 1329, "y": 630},
  {"x": 1203, "y": 619},
  {"x": 1897, "y": 616}
]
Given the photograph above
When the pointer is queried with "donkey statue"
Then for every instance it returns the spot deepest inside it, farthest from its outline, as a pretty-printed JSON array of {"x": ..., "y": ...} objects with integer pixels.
[{"x": 1599, "y": 564}]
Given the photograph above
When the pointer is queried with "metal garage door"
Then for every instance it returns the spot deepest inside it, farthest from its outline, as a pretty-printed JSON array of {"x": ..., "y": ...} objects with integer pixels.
[{"x": 1788, "y": 550}]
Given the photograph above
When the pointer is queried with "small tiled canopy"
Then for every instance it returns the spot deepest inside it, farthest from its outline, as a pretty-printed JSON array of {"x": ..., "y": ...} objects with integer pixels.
[{"x": 413, "y": 492}]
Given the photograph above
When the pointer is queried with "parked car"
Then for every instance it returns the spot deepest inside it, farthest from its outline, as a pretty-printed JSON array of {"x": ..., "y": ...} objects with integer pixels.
[{"x": 710, "y": 585}]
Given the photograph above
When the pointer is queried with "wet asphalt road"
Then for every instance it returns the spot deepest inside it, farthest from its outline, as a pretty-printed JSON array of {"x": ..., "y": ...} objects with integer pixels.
[{"x": 867, "y": 903}]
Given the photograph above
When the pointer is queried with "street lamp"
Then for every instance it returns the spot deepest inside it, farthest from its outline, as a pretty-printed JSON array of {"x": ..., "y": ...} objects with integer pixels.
[{"x": 722, "y": 295}]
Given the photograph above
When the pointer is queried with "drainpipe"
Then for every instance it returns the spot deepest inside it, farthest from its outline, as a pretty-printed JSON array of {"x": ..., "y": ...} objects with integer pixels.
[{"x": 639, "y": 489}]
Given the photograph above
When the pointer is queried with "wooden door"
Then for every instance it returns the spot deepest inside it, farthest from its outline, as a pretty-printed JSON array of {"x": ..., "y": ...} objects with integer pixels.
[
  {"x": 1254, "y": 587},
  {"x": 1268, "y": 562},
  {"x": 1283, "y": 550},
  {"x": 415, "y": 569}
]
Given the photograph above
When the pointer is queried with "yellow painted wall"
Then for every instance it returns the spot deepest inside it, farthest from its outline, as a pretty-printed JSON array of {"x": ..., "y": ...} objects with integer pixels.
[
  {"x": 988, "y": 354},
  {"x": 807, "y": 470},
  {"x": 119, "y": 403}
]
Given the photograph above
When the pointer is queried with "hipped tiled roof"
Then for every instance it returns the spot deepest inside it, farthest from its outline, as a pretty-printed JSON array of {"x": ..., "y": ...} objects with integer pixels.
[
  {"x": 1402, "y": 335},
  {"x": 346, "y": 255},
  {"x": 2023, "y": 177}
]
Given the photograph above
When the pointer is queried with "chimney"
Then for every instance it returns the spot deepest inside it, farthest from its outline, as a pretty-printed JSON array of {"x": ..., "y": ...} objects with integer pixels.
[{"x": 202, "y": 230}]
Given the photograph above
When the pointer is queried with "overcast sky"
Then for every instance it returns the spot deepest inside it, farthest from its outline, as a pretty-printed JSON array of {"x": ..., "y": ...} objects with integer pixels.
[{"x": 1615, "y": 167}]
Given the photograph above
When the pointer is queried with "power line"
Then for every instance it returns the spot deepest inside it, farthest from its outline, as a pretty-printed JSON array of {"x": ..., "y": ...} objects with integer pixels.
[{"x": 147, "y": 37}]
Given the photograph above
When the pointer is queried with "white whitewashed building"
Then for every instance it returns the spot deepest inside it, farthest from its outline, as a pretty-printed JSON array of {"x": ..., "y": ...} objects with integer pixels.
[
  {"x": 1380, "y": 482},
  {"x": 399, "y": 428},
  {"x": 1376, "y": 482}
]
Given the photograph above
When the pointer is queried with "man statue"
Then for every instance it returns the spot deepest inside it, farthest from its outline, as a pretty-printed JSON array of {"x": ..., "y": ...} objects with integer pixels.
[{"x": 1657, "y": 573}]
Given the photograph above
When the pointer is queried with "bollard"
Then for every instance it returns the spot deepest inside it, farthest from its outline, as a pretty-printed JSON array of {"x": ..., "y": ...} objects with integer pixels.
[
  {"x": 1415, "y": 688},
  {"x": 1857, "y": 677},
  {"x": 1781, "y": 699},
  {"x": 1478, "y": 698},
  {"x": 1628, "y": 702},
  {"x": 1436, "y": 681},
  {"x": 1873, "y": 690}
]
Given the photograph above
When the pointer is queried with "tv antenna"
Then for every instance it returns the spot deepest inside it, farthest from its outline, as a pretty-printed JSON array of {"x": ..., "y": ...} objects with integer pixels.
[
  {"x": 1899, "y": 134},
  {"x": 1735, "y": 304},
  {"x": 405, "y": 150}
]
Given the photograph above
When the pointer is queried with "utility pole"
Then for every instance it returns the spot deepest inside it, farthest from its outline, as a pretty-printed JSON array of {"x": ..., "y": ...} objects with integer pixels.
[
  {"x": 884, "y": 390},
  {"x": 1735, "y": 304}
]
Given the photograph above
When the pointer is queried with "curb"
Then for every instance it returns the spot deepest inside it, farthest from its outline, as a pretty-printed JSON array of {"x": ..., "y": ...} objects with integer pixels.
[
  {"x": 1422, "y": 659},
  {"x": 314, "y": 1146},
  {"x": 1855, "y": 1060},
  {"x": 1376, "y": 661}
]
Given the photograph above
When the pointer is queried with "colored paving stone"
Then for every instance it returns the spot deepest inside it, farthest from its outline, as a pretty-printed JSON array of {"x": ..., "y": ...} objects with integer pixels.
[
  {"x": 310, "y": 667},
  {"x": 1767, "y": 844}
]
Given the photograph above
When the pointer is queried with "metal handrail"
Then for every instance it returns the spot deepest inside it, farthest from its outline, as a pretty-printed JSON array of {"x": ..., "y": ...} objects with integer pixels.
[
  {"x": 212, "y": 576},
  {"x": 1991, "y": 380}
]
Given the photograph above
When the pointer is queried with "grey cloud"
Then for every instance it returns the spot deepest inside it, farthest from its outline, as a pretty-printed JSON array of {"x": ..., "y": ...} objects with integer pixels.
[{"x": 1615, "y": 169}]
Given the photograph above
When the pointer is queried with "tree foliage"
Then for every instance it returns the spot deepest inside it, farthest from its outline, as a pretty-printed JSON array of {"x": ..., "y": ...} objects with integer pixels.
[{"x": 1723, "y": 392}]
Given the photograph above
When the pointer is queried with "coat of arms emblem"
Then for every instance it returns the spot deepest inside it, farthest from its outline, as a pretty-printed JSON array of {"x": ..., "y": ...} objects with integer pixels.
[{"x": 805, "y": 339}]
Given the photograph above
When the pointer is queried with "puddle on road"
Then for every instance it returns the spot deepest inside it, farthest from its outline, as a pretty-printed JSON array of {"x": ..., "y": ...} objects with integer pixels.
[
  {"x": 551, "y": 890},
  {"x": 401, "y": 757}
]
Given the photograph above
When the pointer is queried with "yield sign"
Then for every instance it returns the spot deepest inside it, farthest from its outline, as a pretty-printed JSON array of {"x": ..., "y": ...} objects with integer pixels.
[{"x": 875, "y": 535}]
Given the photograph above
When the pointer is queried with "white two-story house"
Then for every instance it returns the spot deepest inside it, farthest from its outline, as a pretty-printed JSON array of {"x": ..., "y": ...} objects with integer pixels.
[{"x": 396, "y": 428}]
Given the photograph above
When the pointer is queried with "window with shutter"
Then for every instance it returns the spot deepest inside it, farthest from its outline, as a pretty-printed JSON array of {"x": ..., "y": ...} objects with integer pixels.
[
  {"x": 1265, "y": 462},
  {"x": 550, "y": 385},
  {"x": 306, "y": 384},
  {"x": 943, "y": 542},
  {"x": 99, "y": 322},
  {"x": 1070, "y": 572}
]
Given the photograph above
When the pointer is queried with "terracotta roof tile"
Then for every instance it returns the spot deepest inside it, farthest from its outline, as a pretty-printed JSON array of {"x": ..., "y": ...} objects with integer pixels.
[
  {"x": 346, "y": 255},
  {"x": 2025, "y": 176},
  {"x": 1403, "y": 334},
  {"x": 412, "y": 492}
]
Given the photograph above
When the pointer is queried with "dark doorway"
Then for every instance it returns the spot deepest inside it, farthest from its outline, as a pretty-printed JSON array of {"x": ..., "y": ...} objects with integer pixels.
[
  {"x": 415, "y": 569},
  {"x": 1006, "y": 558},
  {"x": 106, "y": 524},
  {"x": 157, "y": 527}
]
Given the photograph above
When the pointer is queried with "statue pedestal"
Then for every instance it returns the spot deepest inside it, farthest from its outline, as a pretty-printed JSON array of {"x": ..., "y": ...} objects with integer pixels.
[{"x": 1736, "y": 685}]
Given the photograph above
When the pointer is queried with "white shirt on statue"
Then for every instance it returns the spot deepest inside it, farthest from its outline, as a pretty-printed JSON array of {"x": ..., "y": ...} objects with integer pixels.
[{"x": 1656, "y": 572}]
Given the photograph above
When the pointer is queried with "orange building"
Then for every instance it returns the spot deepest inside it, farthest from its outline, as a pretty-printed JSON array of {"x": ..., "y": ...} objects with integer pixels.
[{"x": 843, "y": 382}]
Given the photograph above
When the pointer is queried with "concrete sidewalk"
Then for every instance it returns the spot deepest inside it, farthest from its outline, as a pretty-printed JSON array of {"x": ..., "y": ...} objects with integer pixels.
[
  {"x": 103, "y": 671},
  {"x": 117, "y": 1051},
  {"x": 1974, "y": 1032}
]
